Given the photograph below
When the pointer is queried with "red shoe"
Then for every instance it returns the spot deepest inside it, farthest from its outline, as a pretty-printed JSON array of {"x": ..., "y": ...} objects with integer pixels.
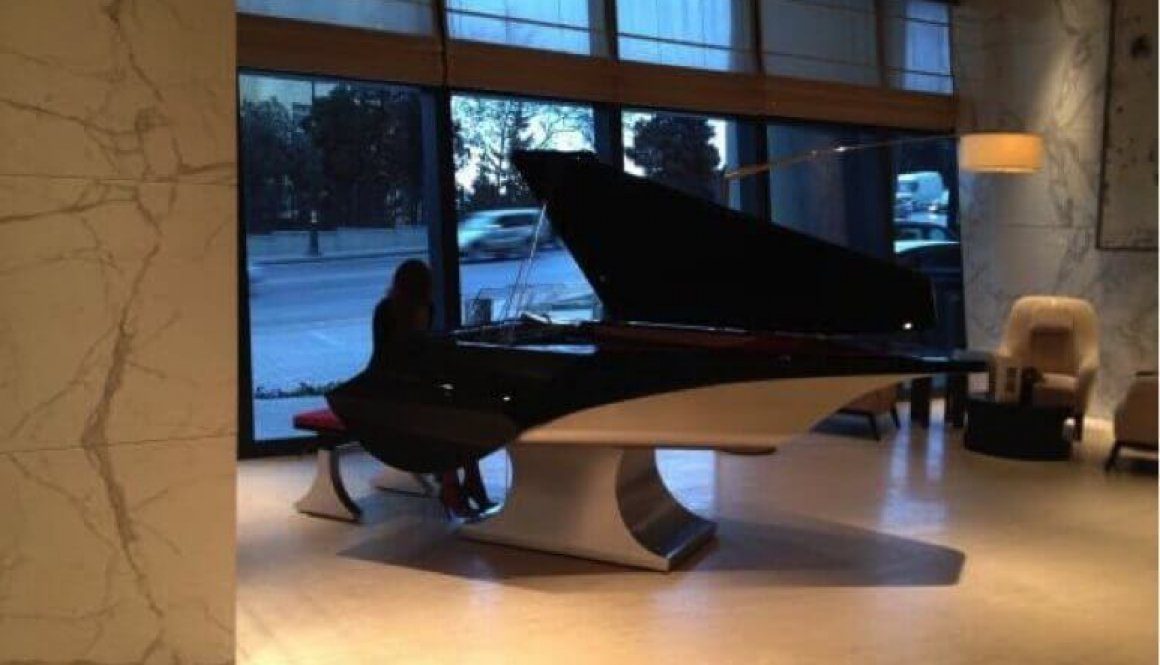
[
  {"x": 473, "y": 486},
  {"x": 453, "y": 500}
]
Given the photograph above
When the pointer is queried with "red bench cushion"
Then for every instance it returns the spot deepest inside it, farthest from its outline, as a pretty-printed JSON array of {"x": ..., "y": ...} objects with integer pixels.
[{"x": 322, "y": 421}]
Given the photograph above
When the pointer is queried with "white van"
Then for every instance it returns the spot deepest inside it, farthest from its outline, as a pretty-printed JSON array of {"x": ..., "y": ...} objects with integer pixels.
[{"x": 919, "y": 190}]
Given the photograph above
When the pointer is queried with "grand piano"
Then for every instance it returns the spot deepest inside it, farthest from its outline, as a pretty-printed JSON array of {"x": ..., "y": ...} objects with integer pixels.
[{"x": 720, "y": 331}]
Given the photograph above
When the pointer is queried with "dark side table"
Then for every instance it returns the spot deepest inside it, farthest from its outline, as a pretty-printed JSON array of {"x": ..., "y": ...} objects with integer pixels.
[
  {"x": 957, "y": 385},
  {"x": 1015, "y": 430}
]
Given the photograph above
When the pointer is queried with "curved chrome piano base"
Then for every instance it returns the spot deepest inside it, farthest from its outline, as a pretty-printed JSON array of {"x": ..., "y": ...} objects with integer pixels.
[
  {"x": 597, "y": 502},
  {"x": 587, "y": 484}
]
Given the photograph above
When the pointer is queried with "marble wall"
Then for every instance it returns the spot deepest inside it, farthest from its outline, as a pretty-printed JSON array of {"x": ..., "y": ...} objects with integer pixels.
[
  {"x": 1040, "y": 65},
  {"x": 1130, "y": 174},
  {"x": 118, "y": 392}
]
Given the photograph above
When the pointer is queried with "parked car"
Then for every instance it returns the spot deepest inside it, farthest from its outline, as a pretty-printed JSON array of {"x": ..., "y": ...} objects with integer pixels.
[
  {"x": 942, "y": 205},
  {"x": 502, "y": 233},
  {"x": 919, "y": 190},
  {"x": 908, "y": 235}
]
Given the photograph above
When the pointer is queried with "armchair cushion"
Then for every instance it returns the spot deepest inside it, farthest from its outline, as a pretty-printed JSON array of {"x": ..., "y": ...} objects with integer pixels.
[
  {"x": 1051, "y": 349},
  {"x": 1055, "y": 390}
]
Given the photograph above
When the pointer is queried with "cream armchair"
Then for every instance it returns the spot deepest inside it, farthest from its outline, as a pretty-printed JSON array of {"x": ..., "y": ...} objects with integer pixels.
[
  {"x": 1136, "y": 418},
  {"x": 1060, "y": 338}
]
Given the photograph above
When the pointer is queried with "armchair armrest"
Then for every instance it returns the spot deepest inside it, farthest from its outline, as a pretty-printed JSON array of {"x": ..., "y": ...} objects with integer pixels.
[
  {"x": 1135, "y": 416},
  {"x": 1085, "y": 379},
  {"x": 1000, "y": 358}
]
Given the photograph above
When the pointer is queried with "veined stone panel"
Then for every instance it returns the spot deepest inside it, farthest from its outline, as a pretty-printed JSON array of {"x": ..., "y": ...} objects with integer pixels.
[
  {"x": 117, "y": 555},
  {"x": 136, "y": 89},
  {"x": 120, "y": 303},
  {"x": 118, "y": 331},
  {"x": 1040, "y": 66}
]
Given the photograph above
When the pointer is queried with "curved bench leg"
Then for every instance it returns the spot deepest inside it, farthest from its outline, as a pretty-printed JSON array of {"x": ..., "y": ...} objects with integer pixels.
[
  {"x": 594, "y": 502},
  {"x": 327, "y": 496}
]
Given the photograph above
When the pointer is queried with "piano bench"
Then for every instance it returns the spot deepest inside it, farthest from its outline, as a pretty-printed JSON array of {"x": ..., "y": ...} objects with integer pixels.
[
  {"x": 325, "y": 424},
  {"x": 327, "y": 496}
]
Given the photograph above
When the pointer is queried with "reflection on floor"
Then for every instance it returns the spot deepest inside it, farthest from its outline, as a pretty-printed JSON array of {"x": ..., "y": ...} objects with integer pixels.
[{"x": 836, "y": 549}]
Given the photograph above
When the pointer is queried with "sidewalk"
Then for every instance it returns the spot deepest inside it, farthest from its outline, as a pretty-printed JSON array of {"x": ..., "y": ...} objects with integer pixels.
[
  {"x": 281, "y": 247},
  {"x": 286, "y": 259}
]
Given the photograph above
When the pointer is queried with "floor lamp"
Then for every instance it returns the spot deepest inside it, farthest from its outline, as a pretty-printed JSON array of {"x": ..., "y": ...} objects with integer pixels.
[
  {"x": 982, "y": 152},
  {"x": 979, "y": 152}
]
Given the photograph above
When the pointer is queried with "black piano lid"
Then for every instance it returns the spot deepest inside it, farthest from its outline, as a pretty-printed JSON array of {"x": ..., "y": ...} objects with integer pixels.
[{"x": 655, "y": 254}]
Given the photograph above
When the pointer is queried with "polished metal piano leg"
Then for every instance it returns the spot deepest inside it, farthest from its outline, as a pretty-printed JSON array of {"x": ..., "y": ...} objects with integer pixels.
[{"x": 596, "y": 502}]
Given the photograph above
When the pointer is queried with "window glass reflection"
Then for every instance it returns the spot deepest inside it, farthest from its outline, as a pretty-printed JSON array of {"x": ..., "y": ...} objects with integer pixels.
[
  {"x": 839, "y": 198},
  {"x": 571, "y": 26},
  {"x": 684, "y": 151},
  {"x": 918, "y": 45},
  {"x": 926, "y": 228},
  {"x": 830, "y": 40},
  {"x": 499, "y": 216},
  {"x": 332, "y": 182},
  {"x": 706, "y": 34},
  {"x": 406, "y": 16}
]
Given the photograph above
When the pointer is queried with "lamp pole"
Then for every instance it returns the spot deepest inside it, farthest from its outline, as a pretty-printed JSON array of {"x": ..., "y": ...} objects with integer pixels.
[
  {"x": 989, "y": 152},
  {"x": 816, "y": 153}
]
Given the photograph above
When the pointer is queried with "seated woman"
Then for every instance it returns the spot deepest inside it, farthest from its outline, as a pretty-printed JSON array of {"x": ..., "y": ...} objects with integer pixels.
[{"x": 404, "y": 312}]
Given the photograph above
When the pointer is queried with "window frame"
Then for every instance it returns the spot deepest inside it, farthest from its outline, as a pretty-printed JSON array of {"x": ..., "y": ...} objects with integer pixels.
[
  {"x": 436, "y": 148},
  {"x": 291, "y": 45}
]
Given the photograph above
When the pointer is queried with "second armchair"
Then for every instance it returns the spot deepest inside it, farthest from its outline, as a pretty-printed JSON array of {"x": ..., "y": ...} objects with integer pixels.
[{"x": 1059, "y": 337}]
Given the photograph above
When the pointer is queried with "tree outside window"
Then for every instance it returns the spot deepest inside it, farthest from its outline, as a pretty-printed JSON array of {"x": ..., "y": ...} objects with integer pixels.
[
  {"x": 499, "y": 221},
  {"x": 685, "y": 152}
]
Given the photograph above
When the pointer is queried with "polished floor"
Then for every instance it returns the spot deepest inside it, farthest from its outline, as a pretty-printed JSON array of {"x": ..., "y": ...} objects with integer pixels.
[{"x": 837, "y": 549}]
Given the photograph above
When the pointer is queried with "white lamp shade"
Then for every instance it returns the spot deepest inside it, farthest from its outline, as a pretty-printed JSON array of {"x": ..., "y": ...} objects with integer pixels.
[{"x": 1001, "y": 152}]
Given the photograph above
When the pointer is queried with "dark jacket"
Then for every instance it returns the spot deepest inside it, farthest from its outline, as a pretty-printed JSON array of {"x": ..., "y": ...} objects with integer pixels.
[
  {"x": 391, "y": 392},
  {"x": 388, "y": 340}
]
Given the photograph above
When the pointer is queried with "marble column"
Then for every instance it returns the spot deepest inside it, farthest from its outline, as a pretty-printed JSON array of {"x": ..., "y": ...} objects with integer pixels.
[
  {"x": 118, "y": 391},
  {"x": 1041, "y": 65}
]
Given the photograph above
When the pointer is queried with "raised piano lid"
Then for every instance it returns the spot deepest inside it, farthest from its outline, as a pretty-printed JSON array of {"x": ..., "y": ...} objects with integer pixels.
[{"x": 655, "y": 254}]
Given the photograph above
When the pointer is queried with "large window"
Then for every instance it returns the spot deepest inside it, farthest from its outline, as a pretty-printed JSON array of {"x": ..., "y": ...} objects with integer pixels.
[
  {"x": 840, "y": 198},
  {"x": 832, "y": 40},
  {"x": 332, "y": 180},
  {"x": 903, "y": 44},
  {"x": 707, "y": 34},
  {"x": 918, "y": 45},
  {"x": 926, "y": 229},
  {"x": 407, "y": 16},
  {"x": 499, "y": 217},
  {"x": 684, "y": 151},
  {"x": 341, "y": 179},
  {"x": 926, "y": 171},
  {"x": 838, "y": 40},
  {"x": 572, "y": 26}
]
